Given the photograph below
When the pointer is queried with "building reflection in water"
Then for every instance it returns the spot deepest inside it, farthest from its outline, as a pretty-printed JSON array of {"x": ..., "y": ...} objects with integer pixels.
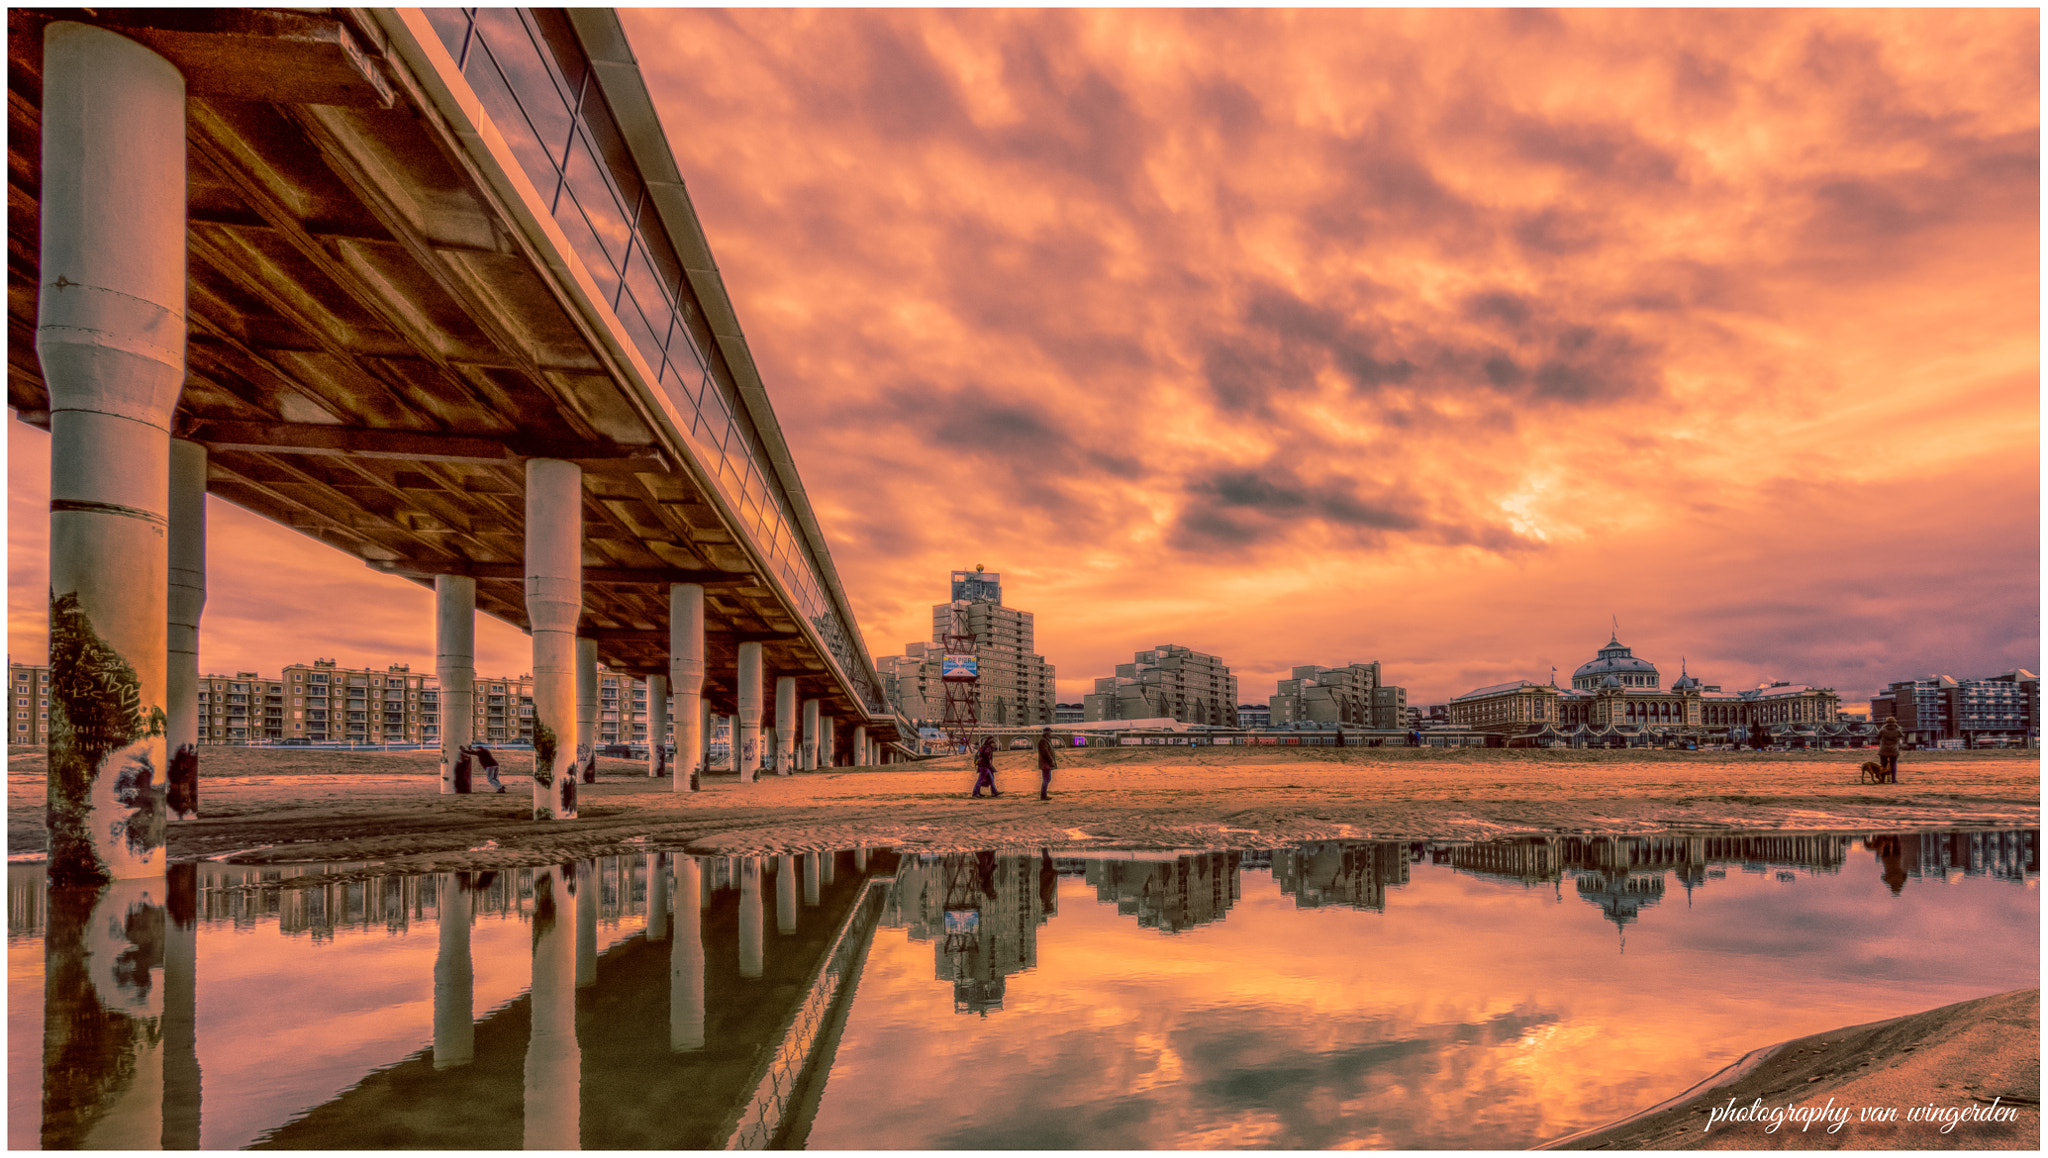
[{"x": 123, "y": 1033}]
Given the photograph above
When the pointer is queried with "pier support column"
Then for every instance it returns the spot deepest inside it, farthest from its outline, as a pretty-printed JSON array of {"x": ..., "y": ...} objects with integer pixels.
[
  {"x": 860, "y": 860},
  {"x": 830, "y": 868},
  {"x": 860, "y": 745},
  {"x": 110, "y": 334},
  {"x": 182, "y": 1085},
  {"x": 554, "y": 1060},
  {"x": 686, "y": 677},
  {"x": 750, "y": 916},
  {"x": 785, "y": 895},
  {"x": 705, "y": 723},
  {"x": 187, "y": 598},
  {"x": 455, "y": 667},
  {"x": 686, "y": 961},
  {"x": 657, "y": 725},
  {"x": 785, "y": 725},
  {"x": 454, "y": 976},
  {"x": 588, "y": 894},
  {"x": 657, "y": 896},
  {"x": 746, "y": 729},
  {"x": 828, "y": 750},
  {"x": 554, "y": 602},
  {"x": 809, "y": 760},
  {"x": 811, "y": 873},
  {"x": 586, "y": 710}
]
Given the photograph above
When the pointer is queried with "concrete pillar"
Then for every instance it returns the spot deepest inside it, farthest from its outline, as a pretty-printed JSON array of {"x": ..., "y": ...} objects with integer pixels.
[
  {"x": 746, "y": 732},
  {"x": 657, "y": 725},
  {"x": 554, "y": 1060},
  {"x": 860, "y": 745},
  {"x": 110, "y": 334},
  {"x": 181, "y": 1009},
  {"x": 809, "y": 761},
  {"x": 811, "y": 873},
  {"x": 785, "y": 725},
  {"x": 860, "y": 860},
  {"x": 705, "y": 720},
  {"x": 93, "y": 936},
  {"x": 686, "y": 961},
  {"x": 586, "y": 709},
  {"x": 588, "y": 895},
  {"x": 686, "y": 678},
  {"x": 750, "y": 916},
  {"x": 454, "y": 976},
  {"x": 785, "y": 894},
  {"x": 455, "y": 667},
  {"x": 186, "y": 557},
  {"x": 554, "y": 602},
  {"x": 657, "y": 896}
]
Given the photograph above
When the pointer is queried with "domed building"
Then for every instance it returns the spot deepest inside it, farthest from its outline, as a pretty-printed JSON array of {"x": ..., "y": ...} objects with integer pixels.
[
  {"x": 1619, "y": 662},
  {"x": 1614, "y": 697}
]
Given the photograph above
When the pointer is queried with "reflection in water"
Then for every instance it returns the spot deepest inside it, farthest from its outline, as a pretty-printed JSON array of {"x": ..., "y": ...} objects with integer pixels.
[{"x": 1338, "y": 993}]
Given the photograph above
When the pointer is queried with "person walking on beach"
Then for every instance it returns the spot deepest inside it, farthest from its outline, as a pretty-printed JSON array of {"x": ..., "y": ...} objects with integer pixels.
[
  {"x": 1047, "y": 761},
  {"x": 1888, "y": 738},
  {"x": 985, "y": 768}
]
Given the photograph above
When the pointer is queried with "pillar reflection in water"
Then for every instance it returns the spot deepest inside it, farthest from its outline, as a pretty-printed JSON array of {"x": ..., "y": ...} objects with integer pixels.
[
  {"x": 785, "y": 894},
  {"x": 103, "y": 1016},
  {"x": 554, "y": 1080},
  {"x": 587, "y": 894},
  {"x": 860, "y": 860},
  {"x": 657, "y": 896},
  {"x": 831, "y": 866},
  {"x": 181, "y": 1022},
  {"x": 750, "y": 916},
  {"x": 686, "y": 961},
  {"x": 811, "y": 871},
  {"x": 454, "y": 976}
]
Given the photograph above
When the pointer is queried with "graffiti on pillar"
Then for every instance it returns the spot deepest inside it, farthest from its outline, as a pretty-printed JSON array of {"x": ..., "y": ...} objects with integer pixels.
[
  {"x": 586, "y": 761},
  {"x": 747, "y": 756},
  {"x": 181, "y": 792},
  {"x": 98, "y": 724},
  {"x": 660, "y": 759},
  {"x": 544, "y": 768}
]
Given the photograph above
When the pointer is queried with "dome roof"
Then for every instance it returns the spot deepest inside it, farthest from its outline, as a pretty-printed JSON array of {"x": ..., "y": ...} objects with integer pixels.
[
  {"x": 1683, "y": 682},
  {"x": 1612, "y": 680},
  {"x": 1614, "y": 658}
]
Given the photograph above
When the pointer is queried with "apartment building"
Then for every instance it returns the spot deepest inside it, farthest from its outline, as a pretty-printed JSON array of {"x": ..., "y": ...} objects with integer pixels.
[
  {"x": 2005, "y": 707},
  {"x": 241, "y": 708},
  {"x": 1167, "y": 681},
  {"x": 1326, "y": 695},
  {"x": 323, "y": 702},
  {"x": 29, "y": 688},
  {"x": 1015, "y": 684}
]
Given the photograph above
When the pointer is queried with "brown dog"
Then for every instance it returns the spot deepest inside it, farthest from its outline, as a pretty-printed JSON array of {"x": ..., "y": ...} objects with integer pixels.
[{"x": 1873, "y": 773}]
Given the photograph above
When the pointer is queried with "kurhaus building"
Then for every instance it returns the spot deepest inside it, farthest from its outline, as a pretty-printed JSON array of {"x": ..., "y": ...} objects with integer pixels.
[{"x": 1615, "y": 695}]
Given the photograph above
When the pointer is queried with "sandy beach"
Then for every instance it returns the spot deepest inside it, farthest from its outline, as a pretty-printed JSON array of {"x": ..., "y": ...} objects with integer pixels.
[{"x": 278, "y": 804}]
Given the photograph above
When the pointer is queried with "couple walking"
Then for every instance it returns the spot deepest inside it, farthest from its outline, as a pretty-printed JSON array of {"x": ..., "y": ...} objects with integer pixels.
[{"x": 985, "y": 766}]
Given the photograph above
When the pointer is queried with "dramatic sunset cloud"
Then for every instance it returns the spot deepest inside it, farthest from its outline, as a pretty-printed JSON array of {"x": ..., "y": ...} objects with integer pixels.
[{"x": 1437, "y": 338}]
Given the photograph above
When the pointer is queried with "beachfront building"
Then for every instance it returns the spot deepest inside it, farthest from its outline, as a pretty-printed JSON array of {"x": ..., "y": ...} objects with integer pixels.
[
  {"x": 1614, "y": 696},
  {"x": 1255, "y": 715},
  {"x": 1389, "y": 706},
  {"x": 2004, "y": 708},
  {"x": 243, "y": 708},
  {"x": 29, "y": 687},
  {"x": 323, "y": 702},
  {"x": 1168, "y": 681},
  {"x": 1015, "y": 684},
  {"x": 1066, "y": 714},
  {"x": 1326, "y": 695}
]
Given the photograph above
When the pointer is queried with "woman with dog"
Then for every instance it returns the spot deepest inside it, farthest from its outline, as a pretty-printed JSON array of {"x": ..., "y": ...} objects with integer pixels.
[{"x": 1888, "y": 738}]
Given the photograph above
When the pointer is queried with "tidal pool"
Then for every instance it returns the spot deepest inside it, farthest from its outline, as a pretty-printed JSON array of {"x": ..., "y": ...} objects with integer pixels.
[{"x": 1345, "y": 994}]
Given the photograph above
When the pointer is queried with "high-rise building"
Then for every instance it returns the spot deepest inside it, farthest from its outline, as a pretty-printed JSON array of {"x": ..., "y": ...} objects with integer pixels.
[
  {"x": 1167, "y": 682},
  {"x": 1326, "y": 695},
  {"x": 1015, "y": 685},
  {"x": 242, "y": 708},
  {"x": 29, "y": 687}
]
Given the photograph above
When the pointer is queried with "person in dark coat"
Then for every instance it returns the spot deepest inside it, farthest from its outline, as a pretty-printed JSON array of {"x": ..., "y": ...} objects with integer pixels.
[
  {"x": 1888, "y": 738},
  {"x": 488, "y": 762},
  {"x": 985, "y": 768},
  {"x": 1047, "y": 761}
]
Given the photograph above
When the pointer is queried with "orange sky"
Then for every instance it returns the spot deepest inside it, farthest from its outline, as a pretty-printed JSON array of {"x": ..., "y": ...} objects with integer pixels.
[{"x": 1436, "y": 338}]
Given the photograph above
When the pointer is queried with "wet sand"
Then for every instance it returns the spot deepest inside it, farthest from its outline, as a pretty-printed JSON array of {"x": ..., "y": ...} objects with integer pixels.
[
  {"x": 1984, "y": 1053},
  {"x": 273, "y": 805}
]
